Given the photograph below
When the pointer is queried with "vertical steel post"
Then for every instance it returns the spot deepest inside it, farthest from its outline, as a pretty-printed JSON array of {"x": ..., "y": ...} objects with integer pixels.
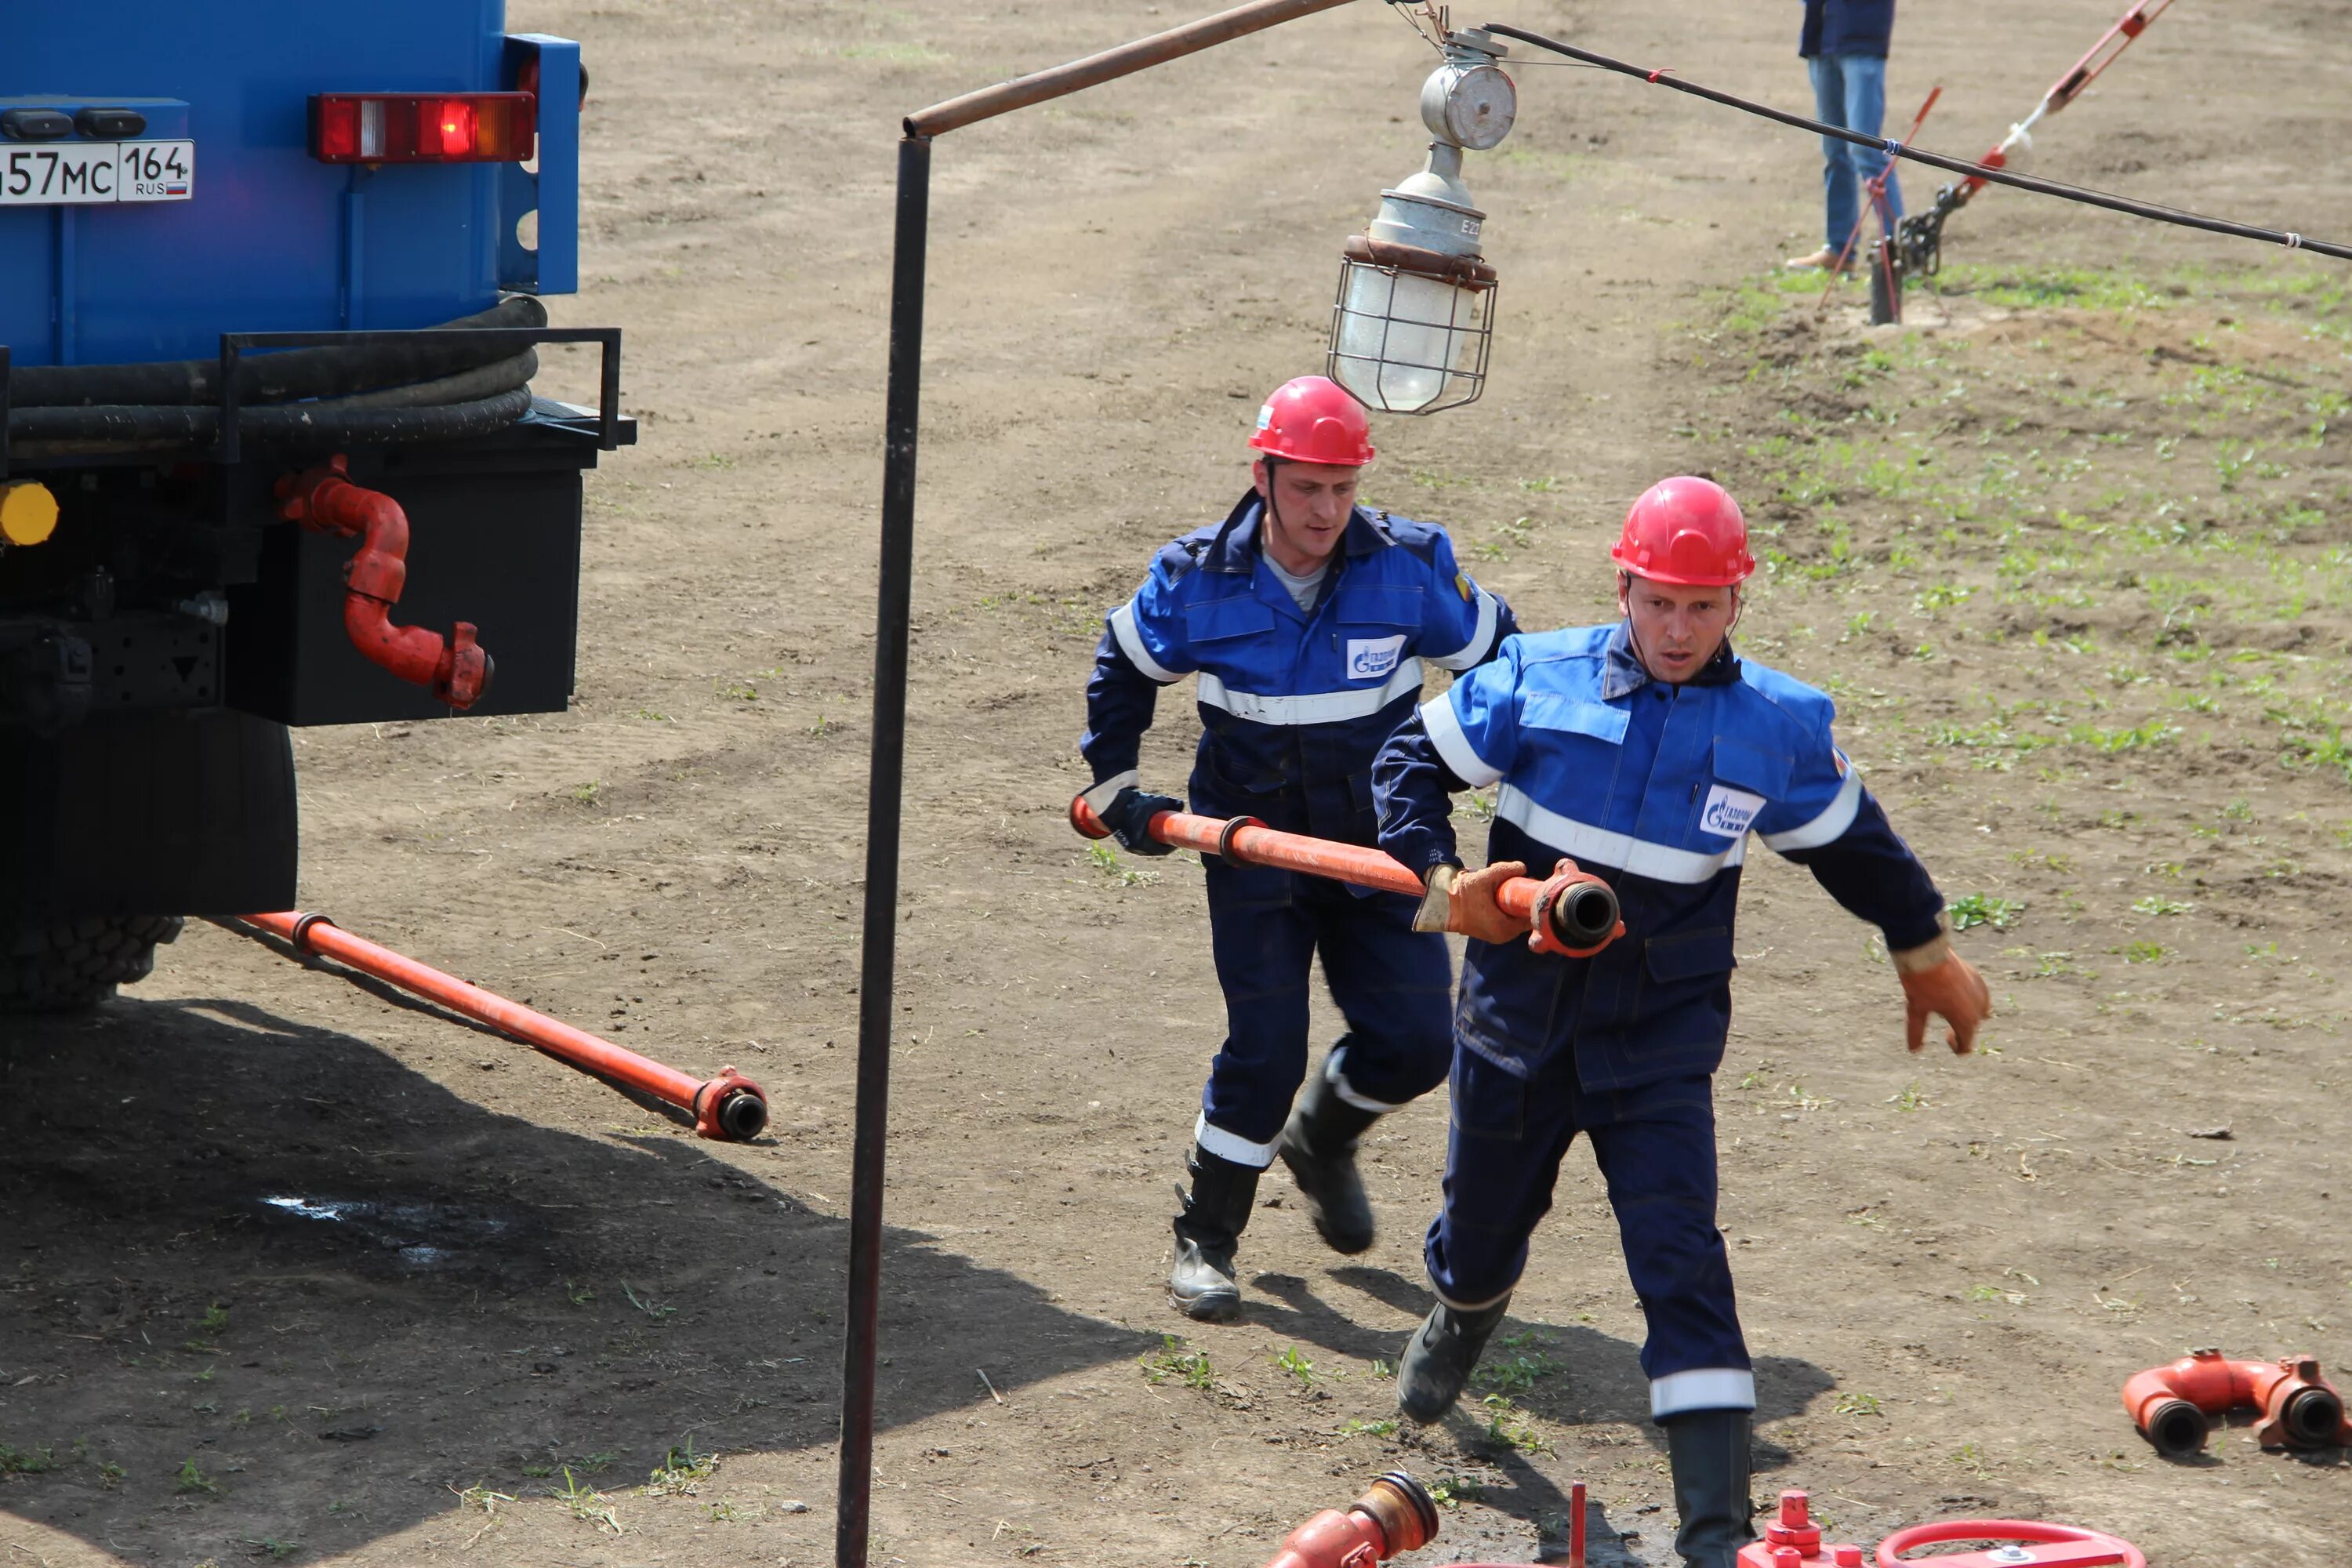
[{"x": 852, "y": 1525}]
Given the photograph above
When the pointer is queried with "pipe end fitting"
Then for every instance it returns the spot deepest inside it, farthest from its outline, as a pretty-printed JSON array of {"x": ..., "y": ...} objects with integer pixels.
[
  {"x": 742, "y": 1115},
  {"x": 1404, "y": 1510},
  {"x": 2176, "y": 1428},
  {"x": 2310, "y": 1418}
]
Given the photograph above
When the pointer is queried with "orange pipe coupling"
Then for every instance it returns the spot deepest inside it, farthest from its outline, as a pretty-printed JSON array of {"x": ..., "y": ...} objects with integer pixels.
[
  {"x": 1393, "y": 1515},
  {"x": 324, "y": 500},
  {"x": 1578, "y": 910},
  {"x": 2298, "y": 1408},
  {"x": 730, "y": 1107}
]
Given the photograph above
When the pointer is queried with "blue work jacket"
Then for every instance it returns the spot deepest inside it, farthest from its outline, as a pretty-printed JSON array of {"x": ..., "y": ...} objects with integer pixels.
[
  {"x": 1846, "y": 27},
  {"x": 1294, "y": 703},
  {"x": 1656, "y": 788}
]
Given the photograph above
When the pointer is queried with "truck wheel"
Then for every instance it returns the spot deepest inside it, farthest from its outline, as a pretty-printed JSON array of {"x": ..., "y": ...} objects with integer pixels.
[{"x": 65, "y": 966}]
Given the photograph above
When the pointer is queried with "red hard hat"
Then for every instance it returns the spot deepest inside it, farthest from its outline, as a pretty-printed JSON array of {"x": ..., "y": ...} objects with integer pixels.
[
  {"x": 1688, "y": 531},
  {"x": 1309, "y": 419}
]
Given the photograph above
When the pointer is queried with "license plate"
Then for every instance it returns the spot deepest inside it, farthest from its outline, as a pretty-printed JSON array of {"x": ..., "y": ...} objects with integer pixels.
[{"x": 81, "y": 173}]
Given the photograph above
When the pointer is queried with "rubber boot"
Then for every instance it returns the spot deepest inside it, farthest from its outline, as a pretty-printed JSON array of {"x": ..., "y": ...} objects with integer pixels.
[
  {"x": 1202, "y": 1284},
  {"x": 1318, "y": 1145},
  {"x": 1709, "y": 1450},
  {"x": 1438, "y": 1359}
]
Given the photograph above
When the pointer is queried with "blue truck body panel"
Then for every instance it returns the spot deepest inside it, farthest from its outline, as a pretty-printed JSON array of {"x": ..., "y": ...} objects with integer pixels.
[{"x": 270, "y": 239}]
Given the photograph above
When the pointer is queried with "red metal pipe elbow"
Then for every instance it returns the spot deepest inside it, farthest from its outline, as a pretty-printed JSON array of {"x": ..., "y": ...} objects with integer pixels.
[
  {"x": 324, "y": 500},
  {"x": 1395, "y": 1514},
  {"x": 2297, "y": 1407}
]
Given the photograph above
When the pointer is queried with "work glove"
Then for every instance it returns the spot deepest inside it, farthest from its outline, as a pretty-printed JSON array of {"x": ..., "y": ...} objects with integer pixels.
[
  {"x": 1463, "y": 901},
  {"x": 1938, "y": 981},
  {"x": 1129, "y": 816}
]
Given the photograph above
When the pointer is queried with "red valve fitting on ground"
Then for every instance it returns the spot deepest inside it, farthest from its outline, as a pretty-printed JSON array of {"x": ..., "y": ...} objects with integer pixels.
[
  {"x": 325, "y": 500},
  {"x": 2025, "y": 1543},
  {"x": 1395, "y": 1514},
  {"x": 2299, "y": 1409},
  {"x": 1579, "y": 916},
  {"x": 1791, "y": 1540}
]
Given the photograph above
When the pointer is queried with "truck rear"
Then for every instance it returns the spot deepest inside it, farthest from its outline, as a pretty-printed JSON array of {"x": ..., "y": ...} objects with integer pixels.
[{"x": 270, "y": 277}]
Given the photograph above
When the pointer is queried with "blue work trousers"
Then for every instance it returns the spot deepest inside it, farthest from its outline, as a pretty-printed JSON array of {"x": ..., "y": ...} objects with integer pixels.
[
  {"x": 1850, "y": 92},
  {"x": 1394, "y": 985},
  {"x": 1655, "y": 1147}
]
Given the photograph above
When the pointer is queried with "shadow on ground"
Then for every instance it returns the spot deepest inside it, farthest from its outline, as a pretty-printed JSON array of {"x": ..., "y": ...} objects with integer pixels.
[{"x": 260, "y": 1283}]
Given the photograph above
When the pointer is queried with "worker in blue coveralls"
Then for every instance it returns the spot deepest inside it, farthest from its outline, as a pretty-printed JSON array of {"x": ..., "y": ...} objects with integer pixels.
[
  {"x": 1309, "y": 619},
  {"x": 1648, "y": 751}
]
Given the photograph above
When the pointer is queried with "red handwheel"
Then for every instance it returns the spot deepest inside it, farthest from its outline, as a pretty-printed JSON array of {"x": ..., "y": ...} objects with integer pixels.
[{"x": 2023, "y": 1543}]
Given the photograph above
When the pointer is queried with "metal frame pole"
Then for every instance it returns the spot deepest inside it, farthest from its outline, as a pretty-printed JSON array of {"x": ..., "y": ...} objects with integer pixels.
[{"x": 852, "y": 1525}]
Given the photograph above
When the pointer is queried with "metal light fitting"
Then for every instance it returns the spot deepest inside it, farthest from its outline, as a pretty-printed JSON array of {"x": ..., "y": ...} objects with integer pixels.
[{"x": 1414, "y": 315}]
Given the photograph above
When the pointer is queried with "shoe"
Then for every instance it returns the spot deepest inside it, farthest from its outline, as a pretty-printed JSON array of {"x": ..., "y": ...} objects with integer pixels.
[
  {"x": 1438, "y": 1359},
  {"x": 1826, "y": 259},
  {"x": 1208, "y": 1229},
  {"x": 1708, "y": 1452},
  {"x": 1318, "y": 1145}
]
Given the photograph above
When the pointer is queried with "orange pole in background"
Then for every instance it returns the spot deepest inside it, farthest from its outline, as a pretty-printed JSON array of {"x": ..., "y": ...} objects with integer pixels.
[{"x": 730, "y": 1107}]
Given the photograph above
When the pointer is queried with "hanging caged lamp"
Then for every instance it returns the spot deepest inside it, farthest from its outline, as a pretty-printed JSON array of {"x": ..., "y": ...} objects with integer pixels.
[{"x": 1415, "y": 312}]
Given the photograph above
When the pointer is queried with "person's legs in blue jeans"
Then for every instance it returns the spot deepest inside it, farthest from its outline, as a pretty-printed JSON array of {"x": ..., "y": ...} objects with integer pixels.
[
  {"x": 1838, "y": 190},
  {"x": 1864, "y": 83}
]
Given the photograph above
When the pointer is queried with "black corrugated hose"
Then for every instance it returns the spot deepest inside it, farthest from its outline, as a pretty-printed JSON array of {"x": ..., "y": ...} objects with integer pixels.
[{"x": 374, "y": 395}]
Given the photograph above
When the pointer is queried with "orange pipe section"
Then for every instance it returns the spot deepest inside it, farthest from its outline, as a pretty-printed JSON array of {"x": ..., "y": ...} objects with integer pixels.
[
  {"x": 1394, "y": 1515},
  {"x": 2299, "y": 1409},
  {"x": 730, "y": 1107},
  {"x": 324, "y": 500},
  {"x": 1250, "y": 842}
]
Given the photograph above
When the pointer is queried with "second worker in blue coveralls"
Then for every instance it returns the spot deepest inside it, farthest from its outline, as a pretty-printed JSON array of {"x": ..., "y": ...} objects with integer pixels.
[
  {"x": 1648, "y": 751},
  {"x": 1309, "y": 619}
]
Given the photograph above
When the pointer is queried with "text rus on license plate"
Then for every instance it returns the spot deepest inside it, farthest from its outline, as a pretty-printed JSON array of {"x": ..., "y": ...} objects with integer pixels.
[{"x": 80, "y": 173}]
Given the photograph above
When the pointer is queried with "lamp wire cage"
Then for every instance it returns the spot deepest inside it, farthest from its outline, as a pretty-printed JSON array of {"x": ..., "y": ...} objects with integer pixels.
[{"x": 1411, "y": 339}]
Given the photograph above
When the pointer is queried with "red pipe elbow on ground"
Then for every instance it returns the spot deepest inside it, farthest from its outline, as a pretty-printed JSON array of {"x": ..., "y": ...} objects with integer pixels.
[
  {"x": 2296, "y": 1407},
  {"x": 324, "y": 500},
  {"x": 1394, "y": 1515}
]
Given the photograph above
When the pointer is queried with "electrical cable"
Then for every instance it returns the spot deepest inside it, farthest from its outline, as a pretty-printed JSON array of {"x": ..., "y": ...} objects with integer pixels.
[{"x": 2175, "y": 216}]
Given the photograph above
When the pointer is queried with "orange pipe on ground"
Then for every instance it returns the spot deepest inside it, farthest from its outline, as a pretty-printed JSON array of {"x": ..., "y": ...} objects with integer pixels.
[
  {"x": 2299, "y": 1409},
  {"x": 1247, "y": 841},
  {"x": 730, "y": 1107},
  {"x": 1395, "y": 1514}
]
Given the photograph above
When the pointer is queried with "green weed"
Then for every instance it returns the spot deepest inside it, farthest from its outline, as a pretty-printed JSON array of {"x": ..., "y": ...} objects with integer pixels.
[
  {"x": 190, "y": 1480},
  {"x": 1174, "y": 1361},
  {"x": 1290, "y": 1360},
  {"x": 680, "y": 1469},
  {"x": 1973, "y": 909}
]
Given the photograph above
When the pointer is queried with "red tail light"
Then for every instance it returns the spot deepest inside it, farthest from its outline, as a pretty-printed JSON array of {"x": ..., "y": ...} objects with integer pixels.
[{"x": 424, "y": 127}]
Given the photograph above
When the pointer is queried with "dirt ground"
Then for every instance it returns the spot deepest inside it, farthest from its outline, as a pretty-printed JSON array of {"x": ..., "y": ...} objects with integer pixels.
[{"x": 295, "y": 1271}]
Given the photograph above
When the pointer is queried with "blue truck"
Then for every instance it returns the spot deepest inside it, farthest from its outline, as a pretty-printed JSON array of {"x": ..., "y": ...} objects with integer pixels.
[{"x": 270, "y": 283}]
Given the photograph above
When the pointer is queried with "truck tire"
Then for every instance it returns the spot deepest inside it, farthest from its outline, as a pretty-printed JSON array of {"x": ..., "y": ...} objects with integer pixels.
[{"x": 65, "y": 965}]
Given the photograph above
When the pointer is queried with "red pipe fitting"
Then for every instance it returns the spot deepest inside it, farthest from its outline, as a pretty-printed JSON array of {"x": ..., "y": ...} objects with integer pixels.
[
  {"x": 2299, "y": 1409},
  {"x": 1393, "y": 1515},
  {"x": 324, "y": 500}
]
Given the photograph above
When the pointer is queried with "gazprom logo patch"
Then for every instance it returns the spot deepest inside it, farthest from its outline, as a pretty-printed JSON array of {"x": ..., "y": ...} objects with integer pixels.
[
  {"x": 1265, "y": 415},
  {"x": 1729, "y": 811},
  {"x": 1372, "y": 657}
]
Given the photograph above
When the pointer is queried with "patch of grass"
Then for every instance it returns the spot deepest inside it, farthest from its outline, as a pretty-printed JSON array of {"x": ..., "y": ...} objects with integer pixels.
[
  {"x": 578, "y": 1295},
  {"x": 587, "y": 1504},
  {"x": 1515, "y": 1374},
  {"x": 270, "y": 1547},
  {"x": 1853, "y": 1402},
  {"x": 27, "y": 1461},
  {"x": 1174, "y": 1361},
  {"x": 652, "y": 1308},
  {"x": 2156, "y": 904},
  {"x": 478, "y": 1496},
  {"x": 1385, "y": 1428},
  {"x": 1972, "y": 910},
  {"x": 189, "y": 1479},
  {"x": 1996, "y": 1293},
  {"x": 215, "y": 1321},
  {"x": 1509, "y": 1425},
  {"x": 1452, "y": 1490},
  {"x": 1291, "y": 1360},
  {"x": 1105, "y": 858},
  {"x": 587, "y": 793},
  {"x": 1909, "y": 1098},
  {"x": 2142, "y": 952},
  {"x": 680, "y": 1469}
]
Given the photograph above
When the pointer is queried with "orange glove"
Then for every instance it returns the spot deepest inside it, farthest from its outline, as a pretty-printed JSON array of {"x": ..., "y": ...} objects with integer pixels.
[
  {"x": 1936, "y": 980},
  {"x": 1464, "y": 902}
]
